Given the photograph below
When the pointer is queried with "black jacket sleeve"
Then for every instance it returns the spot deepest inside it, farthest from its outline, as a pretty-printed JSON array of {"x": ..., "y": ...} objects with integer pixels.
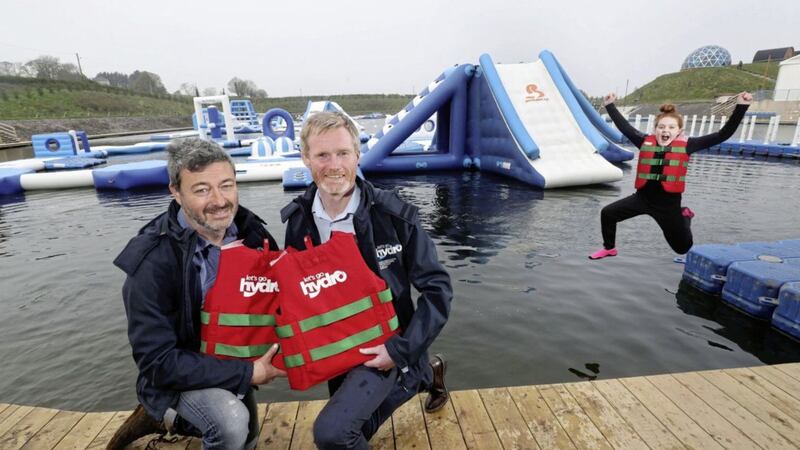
[
  {"x": 150, "y": 295},
  {"x": 635, "y": 136},
  {"x": 432, "y": 281},
  {"x": 702, "y": 142}
]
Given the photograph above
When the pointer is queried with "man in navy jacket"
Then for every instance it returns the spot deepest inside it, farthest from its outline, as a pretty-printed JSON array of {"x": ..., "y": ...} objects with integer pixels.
[
  {"x": 170, "y": 265},
  {"x": 396, "y": 247}
]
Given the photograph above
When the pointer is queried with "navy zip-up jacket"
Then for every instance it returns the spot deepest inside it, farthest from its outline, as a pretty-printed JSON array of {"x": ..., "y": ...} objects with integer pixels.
[
  {"x": 396, "y": 247},
  {"x": 163, "y": 297}
]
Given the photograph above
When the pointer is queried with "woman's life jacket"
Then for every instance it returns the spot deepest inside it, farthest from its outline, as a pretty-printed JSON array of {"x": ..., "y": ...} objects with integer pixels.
[{"x": 665, "y": 164}]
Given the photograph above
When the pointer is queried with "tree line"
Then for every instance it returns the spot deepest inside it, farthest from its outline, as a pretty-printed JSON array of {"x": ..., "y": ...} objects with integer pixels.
[{"x": 140, "y": 81}]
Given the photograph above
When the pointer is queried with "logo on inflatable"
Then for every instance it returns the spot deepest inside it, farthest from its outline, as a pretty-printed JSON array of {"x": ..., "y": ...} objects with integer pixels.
[
  {"x": 534, "y": 94},
  {"x": 312, "y": 285},
  {"x": 252, "y": 285}
]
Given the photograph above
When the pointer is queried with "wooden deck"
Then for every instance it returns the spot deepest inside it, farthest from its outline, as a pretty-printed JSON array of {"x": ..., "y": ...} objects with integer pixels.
[{"x": 745, "y": 408}]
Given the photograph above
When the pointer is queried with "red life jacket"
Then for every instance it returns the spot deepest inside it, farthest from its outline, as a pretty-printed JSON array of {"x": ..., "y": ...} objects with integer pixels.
[
  {"x": 331, "y": 305},
  {"x": 238, "y": 317},
  {"x": 672, "y": 160}
]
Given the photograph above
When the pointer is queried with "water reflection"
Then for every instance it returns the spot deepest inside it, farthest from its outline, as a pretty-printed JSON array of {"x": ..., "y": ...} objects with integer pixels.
[
  {"x": 133, "y": 198},
  {"x": 753, "y": 336},
  {"x": 469, "y": 214}
]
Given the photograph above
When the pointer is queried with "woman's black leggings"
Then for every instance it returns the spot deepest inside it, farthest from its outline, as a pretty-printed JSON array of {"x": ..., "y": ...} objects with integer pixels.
[{"x": 677, "y": 228}]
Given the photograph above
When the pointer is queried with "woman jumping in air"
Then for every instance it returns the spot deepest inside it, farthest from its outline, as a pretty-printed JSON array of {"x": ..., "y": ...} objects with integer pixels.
[{"x": 660, "y": 173}]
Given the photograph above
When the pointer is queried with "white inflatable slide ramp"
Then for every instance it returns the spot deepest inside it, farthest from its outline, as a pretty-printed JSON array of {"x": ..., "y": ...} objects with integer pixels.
[{"x": 545, "y": 129}]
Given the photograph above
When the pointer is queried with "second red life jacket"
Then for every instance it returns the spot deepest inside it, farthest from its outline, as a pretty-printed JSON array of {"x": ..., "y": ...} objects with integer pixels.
[{"x": 331, "y": 305}]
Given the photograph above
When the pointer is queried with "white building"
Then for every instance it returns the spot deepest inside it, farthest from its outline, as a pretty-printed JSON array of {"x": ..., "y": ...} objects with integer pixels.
[{"x": 787, "y": 85}]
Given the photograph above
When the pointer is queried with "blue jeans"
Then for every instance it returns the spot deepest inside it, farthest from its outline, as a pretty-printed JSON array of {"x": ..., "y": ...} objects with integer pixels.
[
  {"x": 363, "y": 401},
  {"x": 219, "y": 417}
]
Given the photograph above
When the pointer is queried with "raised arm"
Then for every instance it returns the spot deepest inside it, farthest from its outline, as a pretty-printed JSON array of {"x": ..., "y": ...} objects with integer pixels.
[
  {"x": 743, "y": 101},
  {"x": 635, "y": 136}
]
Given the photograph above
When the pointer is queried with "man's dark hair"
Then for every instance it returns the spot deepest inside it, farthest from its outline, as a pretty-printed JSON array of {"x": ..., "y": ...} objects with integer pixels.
[{"x": 193, "y": 154}]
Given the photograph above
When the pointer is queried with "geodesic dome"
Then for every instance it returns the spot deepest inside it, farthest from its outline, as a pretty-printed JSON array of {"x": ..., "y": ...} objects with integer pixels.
[{"x": 707, "y": 56}]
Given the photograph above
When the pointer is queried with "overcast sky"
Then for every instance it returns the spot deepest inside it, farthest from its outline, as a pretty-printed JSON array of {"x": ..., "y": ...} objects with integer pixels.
[{"x": 354, "y": 47}]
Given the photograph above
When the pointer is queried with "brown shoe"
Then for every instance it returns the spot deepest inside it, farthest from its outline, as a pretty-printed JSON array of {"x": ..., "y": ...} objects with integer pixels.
[
  {"x": 437, "y": 394},
  {"x": 137, "y": 425}
]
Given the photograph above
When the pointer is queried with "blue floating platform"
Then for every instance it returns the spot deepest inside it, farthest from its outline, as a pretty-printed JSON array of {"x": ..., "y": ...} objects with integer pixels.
[
  {"x": 297, "y": 178},
  {"x": 754, "y": 148},
  {"x": 131, "y": 175},
  {"x": 753, "y": 286},
  {"x": 72, "y": 163},
  {"x": 786, "y": 317},
  {"x": 9, "y": 180},
  {"x": 707, "y": 264}
]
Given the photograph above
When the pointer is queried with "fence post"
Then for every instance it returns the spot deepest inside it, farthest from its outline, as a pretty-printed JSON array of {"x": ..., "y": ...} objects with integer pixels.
[
  {"x": 752, "y": 127},
  {"x": 694, "y": 121},
  {"x": 769, "y": 130},
  {"x": 702, "y": 126},
  {"x": 796, "y": 138},
  {"x": 638, "y": 121},
  {"x": 711, "y": 124},
  {"x": 774, "y": 136},
  {"x": 744, "y": 130}
]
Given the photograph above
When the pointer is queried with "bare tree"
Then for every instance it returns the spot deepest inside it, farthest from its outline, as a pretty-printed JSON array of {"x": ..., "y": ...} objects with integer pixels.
[
  {"x": 245, "y": 88},
  {"x": 46, "y": 67},
  {"x": 187, "y": 89},
  {"x": 210, "y": 91},
  {"x": 146, "y": 83},
  {"x": 68, "y": 72}
]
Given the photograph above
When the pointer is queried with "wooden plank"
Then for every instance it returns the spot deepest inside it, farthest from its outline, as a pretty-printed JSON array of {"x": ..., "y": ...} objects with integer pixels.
[
  {"x": 3, "y": 407},
  {"x": 732, "y": 410},
  {"x": 87, "y": 429},
  {"x": 383, "y": 439},
  {"x": 409, "y": 426},
  {"x": 713, "y": 422},
  {"x": 55, "y": 430},
  {"x": 773, "y": 394},
  {"x": 647, "y": 426},
  {"x": 24, "y": 429},
  {"x": 508, "y": 422},
  {"x": 542, "y": 423},
  {"x": 771, "y": 418},
  {"x": 475, "y": 424},
  {"x": 443, "y": 430},
  {"x": 793, "y": 370},
  {"x": 102, "y": 434},
  {"x": 780, "y": 379},
  {"x": 276, "y": 432},
  {"x": 576, "y": 423},
  {"x": 13, "y": 417},
  {"x": 303, "y": 438},
  {"x": 605, "y": 417},
  {"x": 684, "y": 428},
  {"x": 167, "y": 442}
]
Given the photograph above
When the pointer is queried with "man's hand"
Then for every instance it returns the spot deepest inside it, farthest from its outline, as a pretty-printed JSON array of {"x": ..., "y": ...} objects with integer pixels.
[
  {"x": 744, "y": 98},
  {"x": 263, "y": 370},
  {"x": 381, "y": 361},
  {"x": 609, "y": 99}
]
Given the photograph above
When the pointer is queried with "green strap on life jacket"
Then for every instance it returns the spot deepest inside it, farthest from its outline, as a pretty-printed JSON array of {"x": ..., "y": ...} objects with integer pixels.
[
  {"x": 236, "y": 351},
  {"x": 239, "y": 320},
  {"x": 335, "y": 315},
  {"x": 660, "y": 177},
  {"x": 663, "y": 162},
  {"x": 340, "y": 346}
]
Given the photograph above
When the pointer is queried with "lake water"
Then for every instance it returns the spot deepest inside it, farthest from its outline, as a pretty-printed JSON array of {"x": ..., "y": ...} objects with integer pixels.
[{"x": 529, "y": 306}]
